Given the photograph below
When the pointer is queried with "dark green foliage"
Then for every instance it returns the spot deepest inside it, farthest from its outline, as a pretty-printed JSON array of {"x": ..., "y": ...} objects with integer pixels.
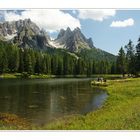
[
  {"x": 113, "y": 68},
  {"x": 38, "y": 67},
  {"x": 25, "y": 75},
  {"x": 3, "y": 61},
  {"x": 96, "y": 54},
  {"x": 138, "y": 56},
  {"x": 130, "y": 58},
  {"x": 121, "y": 62},
  {"x": 54, "y": 61},
  {"x": 129, "y": 62},
  {"x": 21, "y": 61},
  {"x": 89, "y": 68}
]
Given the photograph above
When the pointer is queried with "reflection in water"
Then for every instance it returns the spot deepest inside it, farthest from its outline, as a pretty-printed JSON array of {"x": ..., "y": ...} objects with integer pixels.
[{"x": 42, "y": 100}]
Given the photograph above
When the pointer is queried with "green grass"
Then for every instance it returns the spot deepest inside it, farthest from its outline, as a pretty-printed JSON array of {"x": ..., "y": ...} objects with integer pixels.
[
  {"x": 121, "y": 110},
  {"x": 43, "y": 76},
  {"x": 19, "y": 75},
  {"x": 8, "y": 76}
]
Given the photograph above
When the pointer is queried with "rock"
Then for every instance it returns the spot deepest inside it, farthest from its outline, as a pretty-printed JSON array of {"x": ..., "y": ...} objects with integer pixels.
[
  {"x": 27, "y": 34},
  {"x": 73, "y": 40},
  {"x": 33, "y": 106}
]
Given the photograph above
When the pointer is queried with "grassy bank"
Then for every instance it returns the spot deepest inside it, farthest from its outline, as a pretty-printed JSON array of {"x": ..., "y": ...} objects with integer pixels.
[
  {"x": 121, "y": 110},
  {"x": 25, "y": 75},
  {"x": 45, "y": 76}
]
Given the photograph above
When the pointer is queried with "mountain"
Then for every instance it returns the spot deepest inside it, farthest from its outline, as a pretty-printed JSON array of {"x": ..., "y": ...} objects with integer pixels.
[
  {"x": 27, "y": 34},
  {"x": 10, "y": 28},
  {"x": 73, "y": 41}
]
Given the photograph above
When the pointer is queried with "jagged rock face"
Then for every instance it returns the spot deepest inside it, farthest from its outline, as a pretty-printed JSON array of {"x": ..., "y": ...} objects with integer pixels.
[
  {"x": 27, "y": 34},
  {"x": 9, "y": 28},
  {"x": 73, "y": 40},
  {"x": 32, "y": 39},
  {"x": 90, "y": 42}
]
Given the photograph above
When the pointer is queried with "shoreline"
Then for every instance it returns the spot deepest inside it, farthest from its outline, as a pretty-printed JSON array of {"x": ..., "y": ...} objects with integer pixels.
[
  {"x": 46, "y": 76},
  {"x": 120, "y": 111}
]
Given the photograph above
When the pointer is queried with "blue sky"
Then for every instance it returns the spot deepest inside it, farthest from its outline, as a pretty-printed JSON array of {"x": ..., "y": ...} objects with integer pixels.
[
  {"x": 112, "y": 38},
  {"x": 109, "y": 29}
]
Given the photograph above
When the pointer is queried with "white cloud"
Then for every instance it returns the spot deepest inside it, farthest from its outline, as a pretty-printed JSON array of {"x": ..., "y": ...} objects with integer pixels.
[
  {"x": 124, "y": 23},
  {"x": 51, "y": 19},
  {"x": 94, "y": 14}
]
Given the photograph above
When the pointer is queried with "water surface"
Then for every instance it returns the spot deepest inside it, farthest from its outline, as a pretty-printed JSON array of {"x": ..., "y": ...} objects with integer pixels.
[{"x": 42, "y": 100}]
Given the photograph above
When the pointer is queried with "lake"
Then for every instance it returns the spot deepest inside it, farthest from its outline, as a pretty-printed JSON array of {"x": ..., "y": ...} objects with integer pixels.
[{"x": 42, "y": 100}]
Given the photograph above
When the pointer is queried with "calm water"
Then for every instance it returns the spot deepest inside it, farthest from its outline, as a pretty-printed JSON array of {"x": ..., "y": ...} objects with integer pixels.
[{"x": 41, "y": 101}]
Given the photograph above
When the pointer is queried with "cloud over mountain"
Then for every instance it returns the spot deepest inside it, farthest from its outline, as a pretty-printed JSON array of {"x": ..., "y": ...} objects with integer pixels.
[{"x": 52, "y": 19}]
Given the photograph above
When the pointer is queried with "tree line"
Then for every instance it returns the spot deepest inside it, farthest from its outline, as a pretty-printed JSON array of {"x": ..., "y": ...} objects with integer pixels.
[
  {"x": 128, "y": 60},
  {"x": 57, "y": 62}
]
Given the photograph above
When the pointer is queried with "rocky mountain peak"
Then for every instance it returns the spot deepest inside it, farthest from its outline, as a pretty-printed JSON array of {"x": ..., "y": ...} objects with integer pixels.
[
  {"x": 26, "y": 33},
  {"x": 68, "y": 29},
  {"x": 77, "y": 29},
  {"x": 90, "y": 42},
  {"x": 73, "y": 40},
  {"x": 61, "y": 33}
]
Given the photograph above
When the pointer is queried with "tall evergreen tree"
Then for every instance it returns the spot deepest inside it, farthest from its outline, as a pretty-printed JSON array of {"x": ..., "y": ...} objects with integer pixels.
[
  {"x": 3, "y": 61},
  {"x": 138, "y": 56},
  {"x": 93, "y": 67},
  {"x": 130, "y": 58},
  {"x": 89, "y": 69},
  {"x": 21, "y": 60},
  {"x": 113, "y": 68},
  {"x": 38, "y": 63},
  {"x": 27, "y": 62},
  {"x": 121, "y": 62}
]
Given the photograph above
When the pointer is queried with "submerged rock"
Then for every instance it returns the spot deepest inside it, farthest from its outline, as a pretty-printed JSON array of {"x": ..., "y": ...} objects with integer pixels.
[{"x": 33, "y": 106}]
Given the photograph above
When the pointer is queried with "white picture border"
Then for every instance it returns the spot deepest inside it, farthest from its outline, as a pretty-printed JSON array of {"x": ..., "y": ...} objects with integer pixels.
[{"x": 69, "y": 135}]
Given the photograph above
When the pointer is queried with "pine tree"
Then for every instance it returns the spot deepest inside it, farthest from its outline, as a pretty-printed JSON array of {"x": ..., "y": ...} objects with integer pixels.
[
  {"x": 21, "y": 60},
  {"x": 48, "y": 64},
  {"x": 3, "y": 61},
  {"x": 113, "y": 68},
  {"x": 38, "y": 63},
  {"x": 27, "y": 62},
  {"x": 93, "y": 67},
  {"x": 60, "y": 67},
  {"x": 44, "y": 67},
  {"x": 121, "y": 62},
  {"x": 89, "y": 69},
  {"x": 138, "y": 56},
  {"x": 130, "y": 58}
]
